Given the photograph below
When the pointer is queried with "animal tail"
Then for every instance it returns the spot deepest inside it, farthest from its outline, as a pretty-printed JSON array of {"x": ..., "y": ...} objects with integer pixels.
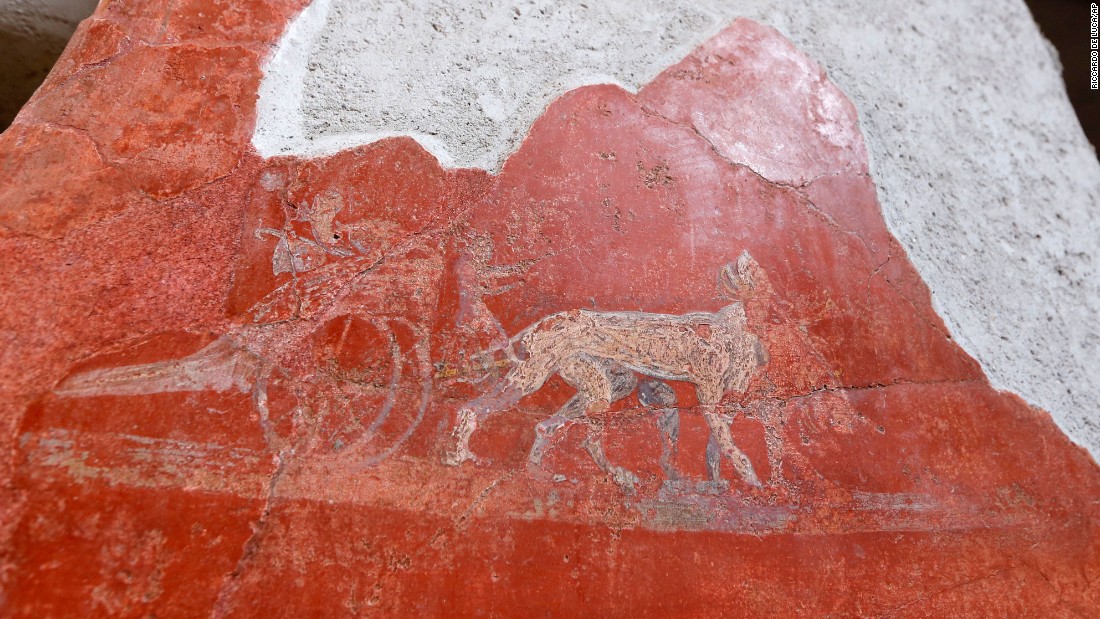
[{"x": 219, "y": 366}]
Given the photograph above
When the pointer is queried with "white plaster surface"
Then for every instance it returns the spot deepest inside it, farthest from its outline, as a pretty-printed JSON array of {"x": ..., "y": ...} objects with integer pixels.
[{"x": 983, "y": 171}]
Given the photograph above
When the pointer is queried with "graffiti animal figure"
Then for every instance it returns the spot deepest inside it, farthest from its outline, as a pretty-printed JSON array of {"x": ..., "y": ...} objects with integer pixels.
[
  {"x": 599, "y": 353},
  {"x": 654, "y": 394},
  {"x": 279, "y": 341},
  {"x": 658, "y": 396}
]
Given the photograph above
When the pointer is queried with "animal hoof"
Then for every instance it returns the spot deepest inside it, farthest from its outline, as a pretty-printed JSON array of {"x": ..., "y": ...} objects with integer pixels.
[{"x": 748, "y": 473}]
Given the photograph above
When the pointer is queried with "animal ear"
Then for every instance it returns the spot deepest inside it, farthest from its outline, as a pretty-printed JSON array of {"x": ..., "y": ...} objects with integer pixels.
[
  {"x": 727, "y": 281},
  {"x": 737, "y": 277},
  {"x": 746, "y": 271}
]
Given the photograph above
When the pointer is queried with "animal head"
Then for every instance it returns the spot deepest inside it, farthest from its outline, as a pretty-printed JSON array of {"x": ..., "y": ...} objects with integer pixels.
[{"x": 738, "y": 277}]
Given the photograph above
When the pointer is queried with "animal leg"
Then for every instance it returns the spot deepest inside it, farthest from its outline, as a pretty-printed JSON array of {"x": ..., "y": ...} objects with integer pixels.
[
  {"x": 658, "y": 394},
  {"x": 599, "y": 383},
  {"x": 721, "y": 435},
  {"x": 546, "y": 429},
  {"x": 714, "y": 459},
  {"x": 540, "y": 362},
  {"x": 668, "y": 423},
  {"x": 593, "y": 445},
  {"x": 469, "y": 416}
]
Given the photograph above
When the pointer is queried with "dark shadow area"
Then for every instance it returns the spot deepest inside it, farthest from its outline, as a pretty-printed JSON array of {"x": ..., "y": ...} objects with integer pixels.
[
  {"x": 33, "y": 33},
  {"x": 27, "y": 61},
  {"x": 1066, "y": 24}
]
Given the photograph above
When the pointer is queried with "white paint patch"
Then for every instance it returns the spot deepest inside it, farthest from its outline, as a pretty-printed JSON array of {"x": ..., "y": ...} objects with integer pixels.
[
  {"x": 983, "y": 171},
  {"x": 464, "y": 79}
]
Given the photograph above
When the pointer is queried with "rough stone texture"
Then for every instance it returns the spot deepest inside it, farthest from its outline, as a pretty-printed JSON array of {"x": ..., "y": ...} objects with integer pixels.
[
  {"x": 984, "y": 174},
  {"x": 628, "y": 375}
]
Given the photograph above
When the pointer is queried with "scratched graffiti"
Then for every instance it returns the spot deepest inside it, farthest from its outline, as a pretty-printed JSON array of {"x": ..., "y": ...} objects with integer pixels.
[
  {"x": 298, "y": 333},
  {"x": 600, "y": 354},
  {"x": 350, "y": 337},
  {"x": 354, "y": 337},
  {"x": 341, "y": 282}
]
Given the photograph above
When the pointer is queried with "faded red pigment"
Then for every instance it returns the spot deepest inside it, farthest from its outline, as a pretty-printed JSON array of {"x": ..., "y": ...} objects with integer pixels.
[{"x": 229, "y": 384}]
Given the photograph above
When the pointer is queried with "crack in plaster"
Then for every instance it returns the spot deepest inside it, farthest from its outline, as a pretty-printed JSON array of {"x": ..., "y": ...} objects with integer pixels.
[
  {"x": 223, "y": 604},
  {"x": 923, "y": 597},
  {"x": 463, "y": 520}
]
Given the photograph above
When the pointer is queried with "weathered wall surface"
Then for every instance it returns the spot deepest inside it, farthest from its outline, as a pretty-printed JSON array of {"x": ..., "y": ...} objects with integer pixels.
[
  {"x": 667, "y": 360},
  {"x": 983, "y": 172}
]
